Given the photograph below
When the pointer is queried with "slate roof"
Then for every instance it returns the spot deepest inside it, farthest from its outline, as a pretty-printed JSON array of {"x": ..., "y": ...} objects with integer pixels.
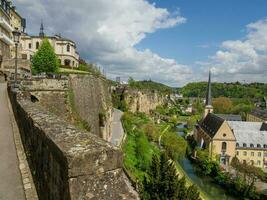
[
  {"x": 211, "y": 124},
  {"x": 260, "y": 113},
  {"x": 249, "y": 133},
  {"x": 230, "y": 117}
]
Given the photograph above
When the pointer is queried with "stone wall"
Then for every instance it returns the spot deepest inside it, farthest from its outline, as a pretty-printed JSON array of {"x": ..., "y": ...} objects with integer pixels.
[
  {"x": 67, "y": 163},
  {"x": 92, "y": 102},
  {"x": 143, "y": 101}
]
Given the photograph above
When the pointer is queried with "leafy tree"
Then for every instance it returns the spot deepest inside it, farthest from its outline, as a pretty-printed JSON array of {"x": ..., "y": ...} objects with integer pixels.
[
  {"x": 222, "y": 105},
  {"x": 45, "y": 59}
]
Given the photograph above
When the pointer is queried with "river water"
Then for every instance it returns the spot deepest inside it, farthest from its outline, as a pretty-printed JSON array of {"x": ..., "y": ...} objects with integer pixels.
[{"x": 212, "y": 190}]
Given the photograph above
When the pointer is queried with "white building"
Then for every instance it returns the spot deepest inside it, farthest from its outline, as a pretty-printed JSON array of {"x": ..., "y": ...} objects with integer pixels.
[{"x": 65, "y": 49}]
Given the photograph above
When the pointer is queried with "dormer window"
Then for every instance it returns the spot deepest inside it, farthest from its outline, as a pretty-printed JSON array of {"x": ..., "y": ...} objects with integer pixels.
[
  {"x": 258, "y": 145},
  {"x": 251, "y": 145},
  {"x": 265, "y": 146},
  {"x": 237, "y": 144},
  {"x": 244, "y": 145}
]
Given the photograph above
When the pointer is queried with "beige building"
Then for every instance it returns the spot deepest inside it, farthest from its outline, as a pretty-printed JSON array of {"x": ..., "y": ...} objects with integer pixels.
[
  {"x": 5, "y": 30},
  {"x": 64, "y": 48},
  {"x": 226, "y": 136},
  {"x": 257, "y": 115}
]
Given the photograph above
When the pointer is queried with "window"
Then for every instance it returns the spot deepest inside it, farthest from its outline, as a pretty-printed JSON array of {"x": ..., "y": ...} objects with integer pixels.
[
  {"x": 30, "y": 45},
  {"x": 68, "y": 48},
  {"x": 244, "y": 153},
  {"x": 67, "y": 62},
  {"x": 258, "y": 162},
  {"x": 244, "y": 145},
  {"x": 37, "y": 45},
  {"x": 252, "y": 162},
  {"x": 251, "y": 145},
  {"x": 237, "y": 153},
  {"x": 224, "y": 135},
  {"x": 265, "y": 154},
  {"x": 224, "y": 145},
  {"x": 265, "y": 146},
  {"x": 31, "y": 57},
  {"x": 24, "y": 56},
  {"x": 252, "y": 153},
  {"x": 258, "y": 145},
  {"x": 259, "y": 154},
  {"x": 237, "y": 144}
]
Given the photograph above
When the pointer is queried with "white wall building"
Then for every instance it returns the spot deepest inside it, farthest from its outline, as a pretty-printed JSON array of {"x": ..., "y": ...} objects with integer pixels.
[{"x": 64, "y": 48}]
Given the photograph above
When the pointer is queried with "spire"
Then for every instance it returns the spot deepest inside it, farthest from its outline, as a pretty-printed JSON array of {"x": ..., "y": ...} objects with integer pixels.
[
  {"x": 208, "y": 97},
  {"x": 41, "y": 34}
]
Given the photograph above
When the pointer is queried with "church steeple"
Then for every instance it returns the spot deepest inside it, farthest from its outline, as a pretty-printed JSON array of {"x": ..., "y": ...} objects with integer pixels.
[
  {"x": 208, "y": 95},
  {"x": 208, "y": 107},
  {"x": 41, "y": 34}
]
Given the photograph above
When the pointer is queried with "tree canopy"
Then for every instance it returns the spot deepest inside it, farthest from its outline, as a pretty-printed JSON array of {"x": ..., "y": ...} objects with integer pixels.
[{"x": 45, "y": 59}]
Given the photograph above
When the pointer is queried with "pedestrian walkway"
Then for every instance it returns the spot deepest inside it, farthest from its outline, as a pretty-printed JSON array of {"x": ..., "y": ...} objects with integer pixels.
[
  {"x": 117, "y": 131},
  {"x": 11, "y": 187}
]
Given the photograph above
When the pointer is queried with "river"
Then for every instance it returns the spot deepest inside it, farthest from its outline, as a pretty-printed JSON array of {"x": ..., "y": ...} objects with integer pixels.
[{"x": 212, "y": 190}]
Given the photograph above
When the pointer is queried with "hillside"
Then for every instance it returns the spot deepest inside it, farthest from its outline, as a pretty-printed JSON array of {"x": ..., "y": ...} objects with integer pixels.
[
  {"x": 232, "y": 90},
  {"x": 150, "y": 85}
]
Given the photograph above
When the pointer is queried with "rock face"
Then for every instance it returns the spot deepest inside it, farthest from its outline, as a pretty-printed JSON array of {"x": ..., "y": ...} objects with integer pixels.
[
  {"x": 143, "y": 101},
  {"x": 92, "y": 102},
  {"x": 68, "y": 163}
]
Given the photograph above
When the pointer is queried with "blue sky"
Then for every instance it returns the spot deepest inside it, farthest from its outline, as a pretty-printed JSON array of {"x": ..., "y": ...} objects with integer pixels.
[
  {"x": 209, "y": 23},
  {"x": 169, "y": 41}
]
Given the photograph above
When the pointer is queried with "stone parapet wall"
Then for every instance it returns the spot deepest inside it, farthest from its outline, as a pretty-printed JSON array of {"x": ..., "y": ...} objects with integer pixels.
[
  {"x": 45, "y": 84},
  {"x": 68, "y": 163}
]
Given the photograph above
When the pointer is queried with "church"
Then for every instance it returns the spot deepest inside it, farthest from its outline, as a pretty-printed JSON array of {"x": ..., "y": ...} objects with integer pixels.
[{"x": 227, "y": 136}]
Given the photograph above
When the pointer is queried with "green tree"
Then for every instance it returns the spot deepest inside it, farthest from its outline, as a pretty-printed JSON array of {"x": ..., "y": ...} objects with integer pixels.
[{"x": 45, "y": 59}]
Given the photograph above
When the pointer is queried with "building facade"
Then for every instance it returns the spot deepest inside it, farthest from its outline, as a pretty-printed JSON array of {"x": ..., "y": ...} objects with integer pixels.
[
  {"x": 65, "y": 49},
  {"x": 226, "y": 137},
  {"x": 5, "y": 30},
  {"x": 257, "y": 115}
]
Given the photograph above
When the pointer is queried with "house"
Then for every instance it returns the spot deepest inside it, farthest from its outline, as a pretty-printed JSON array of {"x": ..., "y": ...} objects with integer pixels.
[
  {"x": 65, "y": 48},
  {"x": 226, "y": 137}
]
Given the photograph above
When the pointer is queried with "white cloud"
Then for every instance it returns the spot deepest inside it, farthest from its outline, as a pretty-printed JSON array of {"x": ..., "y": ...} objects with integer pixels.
[
  {"x": 107, "y": 31},
  {"x": 243, "y": 60}
]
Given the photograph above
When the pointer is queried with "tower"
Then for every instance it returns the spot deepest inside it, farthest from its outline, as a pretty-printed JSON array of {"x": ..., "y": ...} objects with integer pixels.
[
  {"x": 208, "y": 104},
  {"x": 41, "y": 34}
]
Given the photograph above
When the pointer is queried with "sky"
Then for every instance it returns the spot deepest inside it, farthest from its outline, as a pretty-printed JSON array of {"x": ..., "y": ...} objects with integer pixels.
[{"x": 169, "y": 41}]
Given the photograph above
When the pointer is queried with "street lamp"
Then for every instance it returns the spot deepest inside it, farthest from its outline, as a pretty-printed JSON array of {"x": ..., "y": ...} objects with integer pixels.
[{"x": 16, "y": 37}]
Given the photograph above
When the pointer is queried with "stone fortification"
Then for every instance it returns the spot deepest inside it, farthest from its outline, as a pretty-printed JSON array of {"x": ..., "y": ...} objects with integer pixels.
[
  {"x": 92, "y": 101},
  {"x": 68, "y": 163}
]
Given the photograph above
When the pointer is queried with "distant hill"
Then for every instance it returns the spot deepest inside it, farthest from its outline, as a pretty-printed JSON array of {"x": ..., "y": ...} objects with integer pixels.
[
  {"x": 231, "y": 90},
  {"x": 150, "y": 85}
]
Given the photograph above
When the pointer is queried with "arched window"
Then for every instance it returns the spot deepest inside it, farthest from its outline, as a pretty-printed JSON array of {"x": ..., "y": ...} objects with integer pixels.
[
  {"x": 37, "y": 45},
  {"x": 244, "y": 145},
  {"x": 224, "y": 146},
  {"x": 67, "y": 62},
  {"x": 237, "y": 144},
  {"x": 265, "y": 146},
  {"x": 258, "y": 145},
  {"x": 68, "y": 48},
  {"x": 251, "y": 145},
  {"x": 30, "y": 45}
]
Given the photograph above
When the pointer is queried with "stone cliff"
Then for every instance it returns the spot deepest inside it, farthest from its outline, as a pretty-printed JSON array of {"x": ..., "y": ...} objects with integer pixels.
[
  {"x": 66, "y": 162},
  {"x": 143, "y": 101}
]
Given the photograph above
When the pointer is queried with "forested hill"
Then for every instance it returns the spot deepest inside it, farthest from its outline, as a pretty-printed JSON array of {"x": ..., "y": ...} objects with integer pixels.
[
  {"x": 232, "y": 90},
  {"x": 150, "y": 85}
]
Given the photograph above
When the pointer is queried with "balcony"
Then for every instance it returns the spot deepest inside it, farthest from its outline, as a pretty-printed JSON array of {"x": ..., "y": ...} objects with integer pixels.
[
  {"x": 6, "y": 39},
  {"x": 4, "y": 23}
]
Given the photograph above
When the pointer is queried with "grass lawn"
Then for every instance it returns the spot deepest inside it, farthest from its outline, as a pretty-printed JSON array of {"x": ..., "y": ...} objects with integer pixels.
[{"x": 72, "y": 71}]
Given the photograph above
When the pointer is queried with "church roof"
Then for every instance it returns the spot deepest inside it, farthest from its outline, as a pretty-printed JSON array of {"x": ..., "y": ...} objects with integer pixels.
[
  {"x": 249, "y": 133},
  {"x": 260, "y": 113},
  {"x": 211, "y": 124},
  {"x": 230, "y": 117}
]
